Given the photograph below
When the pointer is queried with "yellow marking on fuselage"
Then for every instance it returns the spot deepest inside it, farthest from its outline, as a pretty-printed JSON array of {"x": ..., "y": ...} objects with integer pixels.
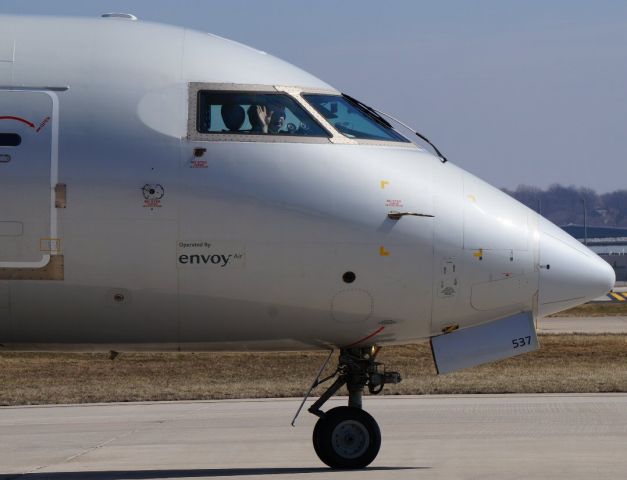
[
  {"x": 384, "y": 183},
  {"x": 383, "y": 252}
]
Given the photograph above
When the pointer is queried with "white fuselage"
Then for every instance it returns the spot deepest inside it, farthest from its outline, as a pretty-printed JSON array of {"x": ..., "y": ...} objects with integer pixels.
[{"x": 244, "y": 244}]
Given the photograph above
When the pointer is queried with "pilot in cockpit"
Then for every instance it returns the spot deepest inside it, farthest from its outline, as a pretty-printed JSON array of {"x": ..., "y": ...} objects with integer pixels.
[
  {"x": 266, "y": 118},
  {"x": 277, "y": 118}
]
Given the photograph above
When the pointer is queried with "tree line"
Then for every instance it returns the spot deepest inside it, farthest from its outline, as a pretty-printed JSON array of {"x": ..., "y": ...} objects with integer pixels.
[{"x": 563, "y": 205}]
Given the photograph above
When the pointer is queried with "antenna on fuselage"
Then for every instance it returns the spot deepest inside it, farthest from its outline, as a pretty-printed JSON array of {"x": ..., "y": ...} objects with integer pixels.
[{"x": 127, "y": 16}]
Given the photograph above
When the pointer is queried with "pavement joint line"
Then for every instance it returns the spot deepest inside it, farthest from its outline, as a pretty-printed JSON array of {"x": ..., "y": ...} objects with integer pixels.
[
  {"x": 115, "y": 437},
  {"x": 92, "y": 449},
  {"x": 75, "y": 456}
]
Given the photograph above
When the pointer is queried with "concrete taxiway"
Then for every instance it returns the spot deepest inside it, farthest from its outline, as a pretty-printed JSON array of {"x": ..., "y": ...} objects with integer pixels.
[
  {"x": 443, "y": 437},
  {"x": 617, "y": 324}
]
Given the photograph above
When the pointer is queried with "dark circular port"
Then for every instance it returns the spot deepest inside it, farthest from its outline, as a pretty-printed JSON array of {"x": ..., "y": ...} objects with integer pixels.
[
  {"x": 118, "y": 297},
  {"x": 348, "y": 277}
]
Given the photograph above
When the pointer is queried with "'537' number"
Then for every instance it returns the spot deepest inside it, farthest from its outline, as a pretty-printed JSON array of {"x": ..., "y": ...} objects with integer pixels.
[{"x": 522, "y": 341}]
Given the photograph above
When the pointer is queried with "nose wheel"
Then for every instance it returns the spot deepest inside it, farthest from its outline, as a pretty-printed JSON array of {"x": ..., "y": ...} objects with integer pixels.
[{"x": 348, "y": 437}]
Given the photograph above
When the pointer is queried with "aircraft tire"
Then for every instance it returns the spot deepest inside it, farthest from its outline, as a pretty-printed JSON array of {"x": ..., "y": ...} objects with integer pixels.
[{"x": 347, "y": 438}]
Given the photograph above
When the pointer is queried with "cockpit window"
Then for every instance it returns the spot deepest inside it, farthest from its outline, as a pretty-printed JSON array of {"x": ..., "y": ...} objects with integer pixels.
[
  {"x": 250, "y": 113},
  {"x": 351, "y": 119}
]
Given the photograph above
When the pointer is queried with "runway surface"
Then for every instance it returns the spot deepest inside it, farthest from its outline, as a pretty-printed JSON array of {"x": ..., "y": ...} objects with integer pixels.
[
  {"x": 428, "y": 437},
  {"x": 583, "y": 325}
]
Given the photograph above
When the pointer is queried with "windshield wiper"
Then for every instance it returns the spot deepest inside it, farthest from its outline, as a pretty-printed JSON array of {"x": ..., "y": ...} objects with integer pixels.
[
  {"x": 371, "y": 112},
  {"x": 377, "y": 115}
]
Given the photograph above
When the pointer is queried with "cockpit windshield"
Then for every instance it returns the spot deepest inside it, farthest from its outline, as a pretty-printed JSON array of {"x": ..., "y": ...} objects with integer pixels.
[
  {"x": 254, "y": 113},
  {"x": 352, "y": 119}
]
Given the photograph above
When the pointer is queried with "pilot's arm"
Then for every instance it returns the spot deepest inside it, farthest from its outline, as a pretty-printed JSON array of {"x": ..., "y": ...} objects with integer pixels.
[{"x": 265, "y": 115}]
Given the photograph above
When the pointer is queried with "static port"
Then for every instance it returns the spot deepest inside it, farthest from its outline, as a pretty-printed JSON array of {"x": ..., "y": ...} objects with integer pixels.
[{"x": 118, "y": 297}]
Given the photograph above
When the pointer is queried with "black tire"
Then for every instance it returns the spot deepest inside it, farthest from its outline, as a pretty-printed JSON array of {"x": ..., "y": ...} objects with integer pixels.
[
  {"x": 347, "y": 438},
  {"x": 316, "y": 437}
]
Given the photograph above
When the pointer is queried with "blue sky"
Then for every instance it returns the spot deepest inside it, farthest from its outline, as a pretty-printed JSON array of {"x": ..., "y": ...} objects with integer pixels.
[{"x": 520, "y": 92}]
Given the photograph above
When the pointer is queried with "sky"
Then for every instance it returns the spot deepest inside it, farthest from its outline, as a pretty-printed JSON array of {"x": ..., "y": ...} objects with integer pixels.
[{"x": 516, "y": 92}]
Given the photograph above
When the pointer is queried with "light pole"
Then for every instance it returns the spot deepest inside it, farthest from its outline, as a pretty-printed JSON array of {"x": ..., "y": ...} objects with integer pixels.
[
  {"x": 585, "y": 222},
  {"x": 539, "y": 205}
]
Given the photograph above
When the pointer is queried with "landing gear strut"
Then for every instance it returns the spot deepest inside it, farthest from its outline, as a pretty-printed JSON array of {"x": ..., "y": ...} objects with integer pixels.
[{"x": 348, "y": 437}]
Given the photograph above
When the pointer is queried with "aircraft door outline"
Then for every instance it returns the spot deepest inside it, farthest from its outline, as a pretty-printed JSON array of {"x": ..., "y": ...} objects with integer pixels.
[{"x": 29, "y": 215}]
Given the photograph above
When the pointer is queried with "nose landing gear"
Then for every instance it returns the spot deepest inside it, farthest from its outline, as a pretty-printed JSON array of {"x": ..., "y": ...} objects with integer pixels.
[{"x": 348, "y": 437}]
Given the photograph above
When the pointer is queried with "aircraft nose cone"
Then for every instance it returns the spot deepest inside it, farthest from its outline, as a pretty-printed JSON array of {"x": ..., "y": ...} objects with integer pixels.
[{"x": 570, "y": 273}]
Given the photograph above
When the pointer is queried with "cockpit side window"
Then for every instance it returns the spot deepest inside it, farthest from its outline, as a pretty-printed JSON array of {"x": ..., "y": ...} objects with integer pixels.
[
  {"x": 254, "y": 113},
  {"x": 351, "y": 120}
]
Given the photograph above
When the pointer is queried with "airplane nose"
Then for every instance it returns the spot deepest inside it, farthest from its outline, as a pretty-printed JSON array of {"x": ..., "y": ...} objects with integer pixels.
[{"x": 570, "y": 273}]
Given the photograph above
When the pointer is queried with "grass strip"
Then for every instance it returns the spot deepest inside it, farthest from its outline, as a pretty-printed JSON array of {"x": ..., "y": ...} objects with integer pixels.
[
  {"x": 573, "y": 363},
  {"x": 600, "y": 309}
]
